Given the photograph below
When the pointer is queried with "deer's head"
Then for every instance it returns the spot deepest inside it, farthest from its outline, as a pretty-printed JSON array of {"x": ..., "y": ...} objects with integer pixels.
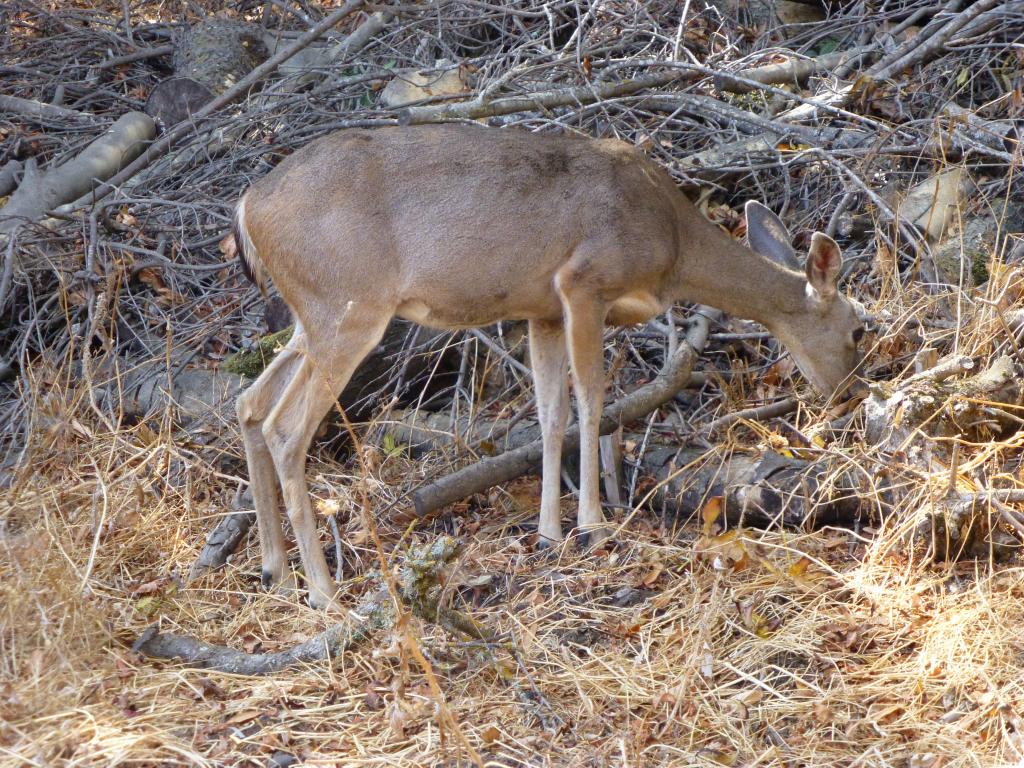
[{"x": 823, "y": 330}]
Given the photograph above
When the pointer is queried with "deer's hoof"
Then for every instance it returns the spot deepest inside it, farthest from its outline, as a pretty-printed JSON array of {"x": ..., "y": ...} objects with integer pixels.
[
  {"x": 321, "y": 602},
  {"x": 594, "y": 538},
  {"x": 548, "y": 542},
  {"x": 285, "y": 583}
]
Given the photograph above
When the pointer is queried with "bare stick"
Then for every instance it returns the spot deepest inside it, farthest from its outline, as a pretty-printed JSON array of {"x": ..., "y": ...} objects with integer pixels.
[
  {"x": 779, "y": 408},
  {"x": 794, "y": 71},
  {"x": 41, "y": 112},
  {"x": 471, "y": 110},
  {"x": 511, "y": 464},
  {"x": 924, "y": 50},
  {"x": 139, "y": 55},
  {"x": 418, "y": 588}
]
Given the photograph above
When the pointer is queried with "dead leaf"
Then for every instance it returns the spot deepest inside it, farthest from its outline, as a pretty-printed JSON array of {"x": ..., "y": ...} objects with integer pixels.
[
  {"x": 822, "y": 712},
  {"x": 228, "y": 247},
  {"x": 148, "y": 606},
  {"x": 397, "y": 719},
  {"x": 209, "y": 689},
  {"x": 372, "y": 699},
  {"x": 147, "y": 436},
  {"x": 150, "y": 587},
  {"x": 882, "y": 713},
  {"x": 799, "y": 568},
  {"x": 651, "y": 576},
  {"x": 244, "y": 716},
  {"x": 328, "y": 507},
  {"x": 718, "y": 756},
  {"x": 711, "y": 512}
]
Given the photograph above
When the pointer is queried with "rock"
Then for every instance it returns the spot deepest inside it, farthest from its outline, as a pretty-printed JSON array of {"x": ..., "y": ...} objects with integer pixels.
[
  {"x": 931, "y": 205},
  {"x": 410, "y": 87},
  {"x": 199, "y": 394},
  {"x": 964, "y": 257},
  {"x": 798, "y": 13},
  {"x": 282, "y": 760}
]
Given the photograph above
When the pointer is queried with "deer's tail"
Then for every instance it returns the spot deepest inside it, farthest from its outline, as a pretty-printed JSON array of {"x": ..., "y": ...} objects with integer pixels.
[{"x": 249, "y": 259}]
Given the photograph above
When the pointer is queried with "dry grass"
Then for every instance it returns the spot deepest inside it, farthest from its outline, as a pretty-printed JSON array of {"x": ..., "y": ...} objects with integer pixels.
[{"x": 680, "y": 647}]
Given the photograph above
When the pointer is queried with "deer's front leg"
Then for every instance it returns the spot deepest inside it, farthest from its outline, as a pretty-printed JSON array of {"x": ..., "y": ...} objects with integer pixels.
[
  {"x": 548, "y": 357},
  {"x": 584, "y": 326}
]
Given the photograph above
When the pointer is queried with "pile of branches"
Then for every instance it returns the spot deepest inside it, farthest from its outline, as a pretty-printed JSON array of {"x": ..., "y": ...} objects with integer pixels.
[{"x": 891, "y": 126}]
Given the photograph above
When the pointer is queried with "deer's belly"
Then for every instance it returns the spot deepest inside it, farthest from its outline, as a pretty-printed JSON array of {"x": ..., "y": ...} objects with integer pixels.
[
  {"x": 456, "y": 314},
  {"x": 635, "y": 307},
  {"x": 630, "y": 308}
]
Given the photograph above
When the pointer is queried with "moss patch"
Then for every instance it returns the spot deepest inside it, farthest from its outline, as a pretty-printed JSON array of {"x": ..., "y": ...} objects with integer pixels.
[
  {"x": 252, "y": 362},
  {"x": 979, "y": 267}
]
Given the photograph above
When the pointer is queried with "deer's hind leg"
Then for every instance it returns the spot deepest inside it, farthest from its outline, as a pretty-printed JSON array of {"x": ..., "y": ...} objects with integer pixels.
[
  {"x": 253, "y": 406},
  {"x": 330, "y": 356}
]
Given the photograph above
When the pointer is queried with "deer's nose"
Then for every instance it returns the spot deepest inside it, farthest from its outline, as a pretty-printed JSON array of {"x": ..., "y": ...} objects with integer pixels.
[{"x": 857, "y": 389}]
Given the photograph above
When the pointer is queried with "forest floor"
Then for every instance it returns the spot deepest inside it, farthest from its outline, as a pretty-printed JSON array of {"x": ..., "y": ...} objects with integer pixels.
[
  {"x": 683, "y": 643},
  {"x": 677, "y": 646}
]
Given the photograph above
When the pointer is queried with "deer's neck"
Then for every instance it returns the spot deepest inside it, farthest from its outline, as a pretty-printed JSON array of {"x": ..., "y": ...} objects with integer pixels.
[{"x": 716, "y": 270}]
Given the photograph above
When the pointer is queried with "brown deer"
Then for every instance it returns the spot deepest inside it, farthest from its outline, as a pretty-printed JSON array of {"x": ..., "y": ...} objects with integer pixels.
[{"x": 458, "y": 226}]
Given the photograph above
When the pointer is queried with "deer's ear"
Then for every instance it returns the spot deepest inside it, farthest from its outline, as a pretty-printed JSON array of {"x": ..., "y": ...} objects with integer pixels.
[
  {"x": 768, "y": 235},
  {"x": 824, "y": 261}
]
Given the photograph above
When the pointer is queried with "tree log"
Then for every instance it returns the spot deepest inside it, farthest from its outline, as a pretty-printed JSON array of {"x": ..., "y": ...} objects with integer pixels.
[
  {"x": 41, "y": 192},
  {"x": 209, "y": 58},
  {"x": 757, "y": 488}
]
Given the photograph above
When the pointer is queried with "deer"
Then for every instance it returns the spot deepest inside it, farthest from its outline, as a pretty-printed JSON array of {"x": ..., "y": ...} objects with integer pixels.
[{"x": 459, "y": 226}]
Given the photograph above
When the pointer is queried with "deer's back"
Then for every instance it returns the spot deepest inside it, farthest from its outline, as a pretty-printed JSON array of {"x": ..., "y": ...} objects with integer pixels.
[{"x": 439, "y": 215}]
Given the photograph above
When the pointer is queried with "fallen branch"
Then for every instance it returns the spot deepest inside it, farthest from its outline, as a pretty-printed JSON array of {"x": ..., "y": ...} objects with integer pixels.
[
  {"x": 793, "y": 71},
  {"x": 222, "y": 541},
  {"x": 419, "y": 586},
  {"x": 510, "y": 465},
  {"x": 918, "y": 428},
  {"x": 41, "y": 112},
  {"x": 780, "y": 408},
  {"x": 762, "y": 489},
  {"x": 41, "y": 192},
  {"x": 138, "y": 55},
  {"x": 587, "y": 94},
  {"x": 924, "y": 47}
]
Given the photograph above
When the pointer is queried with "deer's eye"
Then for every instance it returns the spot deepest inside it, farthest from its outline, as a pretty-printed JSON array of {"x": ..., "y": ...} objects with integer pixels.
[{"x": 858, "y": 334}]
